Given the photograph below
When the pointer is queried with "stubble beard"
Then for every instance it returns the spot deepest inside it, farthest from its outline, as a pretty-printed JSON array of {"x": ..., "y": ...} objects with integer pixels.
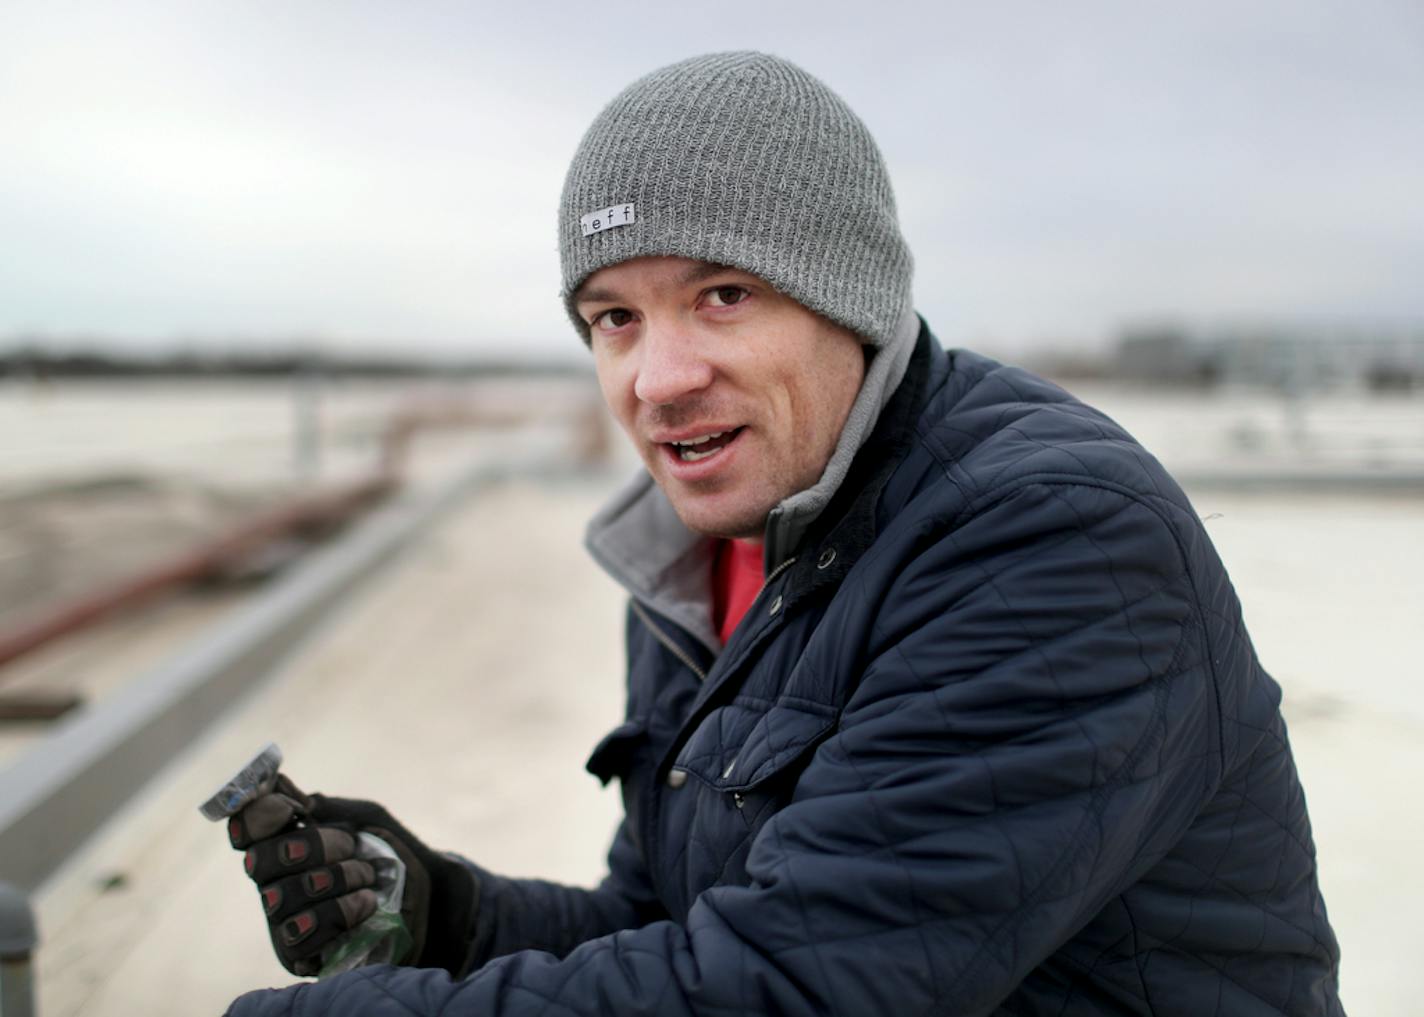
[{"x": 744, "y": 522}]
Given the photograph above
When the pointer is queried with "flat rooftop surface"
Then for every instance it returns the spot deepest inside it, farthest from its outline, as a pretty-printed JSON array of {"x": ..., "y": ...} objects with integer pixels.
[{"x": 465, "y": 686}]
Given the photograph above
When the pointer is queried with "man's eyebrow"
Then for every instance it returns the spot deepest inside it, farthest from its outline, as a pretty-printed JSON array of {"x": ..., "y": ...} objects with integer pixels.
[
  {"x": 704, "y": 270},
  {"x": 696, "y": 274},
  {"x": 585, "y": 295}
]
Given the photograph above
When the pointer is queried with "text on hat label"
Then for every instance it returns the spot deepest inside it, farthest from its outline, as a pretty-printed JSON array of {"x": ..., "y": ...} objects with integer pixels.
[{"x": 607, "y": 218}]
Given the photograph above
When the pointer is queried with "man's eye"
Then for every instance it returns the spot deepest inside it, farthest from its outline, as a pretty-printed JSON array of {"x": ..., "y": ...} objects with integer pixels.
[
  {"x": 725, "y": 296},
  {"x": 615, "y": 317}
]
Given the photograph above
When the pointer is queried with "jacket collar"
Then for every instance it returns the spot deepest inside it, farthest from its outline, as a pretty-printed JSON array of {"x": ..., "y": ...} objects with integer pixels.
[
  {"x": 847, "y": 527},
  {"x": 788, "y": 523}
]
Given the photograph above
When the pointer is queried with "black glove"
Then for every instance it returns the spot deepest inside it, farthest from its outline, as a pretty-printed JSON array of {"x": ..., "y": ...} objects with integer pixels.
[{"x": 301, "y": 853}]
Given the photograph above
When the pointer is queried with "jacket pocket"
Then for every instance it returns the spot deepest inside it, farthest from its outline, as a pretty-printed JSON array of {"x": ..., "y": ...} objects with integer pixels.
[
  {"x": 614, "y": 755},
  {"x": 740, "y": 747}
]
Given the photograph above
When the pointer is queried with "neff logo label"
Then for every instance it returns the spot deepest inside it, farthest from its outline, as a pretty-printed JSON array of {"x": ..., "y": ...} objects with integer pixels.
[{"x": 607, "y": 218}]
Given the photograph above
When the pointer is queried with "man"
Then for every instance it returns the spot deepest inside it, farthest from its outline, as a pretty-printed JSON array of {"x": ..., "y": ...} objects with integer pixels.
[{"x": 939, "y": 698}]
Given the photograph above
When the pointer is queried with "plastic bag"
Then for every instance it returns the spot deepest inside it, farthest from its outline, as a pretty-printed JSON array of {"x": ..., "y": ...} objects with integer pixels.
[{"x": 383, "y": 938}]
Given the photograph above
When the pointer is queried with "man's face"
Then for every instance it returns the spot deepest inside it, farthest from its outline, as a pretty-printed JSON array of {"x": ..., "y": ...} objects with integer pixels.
[{"x": 733, "y": 394}]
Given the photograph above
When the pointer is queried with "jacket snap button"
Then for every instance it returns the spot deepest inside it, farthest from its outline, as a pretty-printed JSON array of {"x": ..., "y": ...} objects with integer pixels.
[
  {"x": 738, "y": 800},
  {"x": 827, "y": 556},
  {"x": 676, "y": 778},
  {"x": 775, "y": 608}
]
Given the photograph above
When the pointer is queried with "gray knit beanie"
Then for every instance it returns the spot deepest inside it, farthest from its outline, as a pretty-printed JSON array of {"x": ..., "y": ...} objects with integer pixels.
[{"x": 745, "y": 160}]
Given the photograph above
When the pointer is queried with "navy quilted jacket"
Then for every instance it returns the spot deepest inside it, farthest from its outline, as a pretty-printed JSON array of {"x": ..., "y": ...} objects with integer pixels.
[{"x": 995, "y": 742}]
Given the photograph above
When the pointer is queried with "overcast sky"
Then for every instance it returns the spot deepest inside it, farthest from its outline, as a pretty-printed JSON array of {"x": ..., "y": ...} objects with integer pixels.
[{"x": 373, "y": 174}]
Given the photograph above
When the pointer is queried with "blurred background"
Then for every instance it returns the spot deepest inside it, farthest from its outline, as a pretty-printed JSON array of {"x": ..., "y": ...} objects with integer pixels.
[{"x": 278, "y": 300}]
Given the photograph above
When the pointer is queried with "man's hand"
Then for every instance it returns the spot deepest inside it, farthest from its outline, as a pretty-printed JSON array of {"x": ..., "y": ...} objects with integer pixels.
[{"x": 300, "y": 850}]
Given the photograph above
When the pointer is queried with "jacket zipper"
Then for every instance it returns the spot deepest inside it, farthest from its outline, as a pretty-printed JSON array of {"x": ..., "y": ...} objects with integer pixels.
[
  {"x": 666, "y": 640},
  {"x": 776, "y": 572}
]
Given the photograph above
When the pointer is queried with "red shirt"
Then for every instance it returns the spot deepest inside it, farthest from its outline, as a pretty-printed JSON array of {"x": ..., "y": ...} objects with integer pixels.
[{"x": 736, "y": 580}]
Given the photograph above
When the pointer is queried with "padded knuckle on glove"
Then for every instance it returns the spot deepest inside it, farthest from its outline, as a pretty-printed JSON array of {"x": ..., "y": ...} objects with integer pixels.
[
  {"x": 280, "y": 900},
  {"x": 305, "y": 934},
  {"x": 299, "y": 850},
  {"x": 297, "y": 928}
]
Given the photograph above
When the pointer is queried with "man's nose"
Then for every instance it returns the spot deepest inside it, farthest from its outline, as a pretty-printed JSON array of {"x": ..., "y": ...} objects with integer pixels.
[{"x": 673, "y": 367}]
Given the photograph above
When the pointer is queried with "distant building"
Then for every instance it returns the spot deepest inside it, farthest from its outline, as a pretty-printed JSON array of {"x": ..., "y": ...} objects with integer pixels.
[
  {"x": 1165, "y": 355},
  {"x": 1290, "y": 358}
]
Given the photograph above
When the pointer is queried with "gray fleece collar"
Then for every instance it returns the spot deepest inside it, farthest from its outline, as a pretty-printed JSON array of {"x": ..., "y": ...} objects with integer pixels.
[
  {"x": 638, "y": 539},
  {"x": 788, "y": 522}
]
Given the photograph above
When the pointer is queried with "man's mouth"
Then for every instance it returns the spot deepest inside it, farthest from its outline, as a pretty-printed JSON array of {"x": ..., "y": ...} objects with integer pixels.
[{"x": 690, "y": 450}]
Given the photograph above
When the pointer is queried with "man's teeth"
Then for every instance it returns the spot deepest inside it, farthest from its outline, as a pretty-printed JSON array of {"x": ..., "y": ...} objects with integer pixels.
[
  {"x": 699, "y": 440},
  {"x": 686, "y": 448}
]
